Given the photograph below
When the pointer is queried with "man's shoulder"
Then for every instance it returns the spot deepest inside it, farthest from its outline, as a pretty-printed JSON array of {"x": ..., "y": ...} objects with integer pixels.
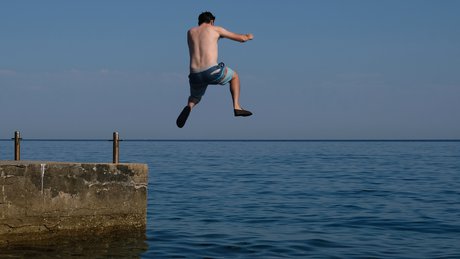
[
  {"x": 193, "y": 29},
  {"x": 218, "y": 28}
]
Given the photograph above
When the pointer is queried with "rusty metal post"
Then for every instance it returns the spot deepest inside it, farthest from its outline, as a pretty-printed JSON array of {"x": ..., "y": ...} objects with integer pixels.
[
  {"x": 17, "y": 146},
  {"x": 116, "y": 148}
]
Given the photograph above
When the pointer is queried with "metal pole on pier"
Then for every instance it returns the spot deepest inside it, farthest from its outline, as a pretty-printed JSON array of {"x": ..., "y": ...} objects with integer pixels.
[
  {"x": 116, "y": 148},
  {"x": 17, "y": 146}
]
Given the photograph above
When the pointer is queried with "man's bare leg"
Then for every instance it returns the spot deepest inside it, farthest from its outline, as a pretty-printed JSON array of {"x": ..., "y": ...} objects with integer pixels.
[
  {"x": 235, "y": 91},
  {"x": 192, "y": 102}
]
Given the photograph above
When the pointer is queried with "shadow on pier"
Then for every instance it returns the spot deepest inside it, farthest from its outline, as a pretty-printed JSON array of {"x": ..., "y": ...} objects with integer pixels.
[{"x": 122, "y": 245}]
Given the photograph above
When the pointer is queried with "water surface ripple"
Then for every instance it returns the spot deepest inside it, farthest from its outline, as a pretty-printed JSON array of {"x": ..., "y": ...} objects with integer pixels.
[{"x": 223, "y": 199}]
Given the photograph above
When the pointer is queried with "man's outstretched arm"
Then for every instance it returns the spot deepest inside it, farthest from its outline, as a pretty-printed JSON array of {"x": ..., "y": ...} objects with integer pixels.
[{"x": 234, "y": 36}]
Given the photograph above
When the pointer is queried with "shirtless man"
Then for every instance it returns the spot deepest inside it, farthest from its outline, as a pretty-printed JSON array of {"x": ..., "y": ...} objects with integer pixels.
[{"x": 204, "y": 69}]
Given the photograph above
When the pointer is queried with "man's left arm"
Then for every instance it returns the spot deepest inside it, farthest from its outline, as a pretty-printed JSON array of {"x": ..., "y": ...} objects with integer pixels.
[{"x": 234, "y": 36}]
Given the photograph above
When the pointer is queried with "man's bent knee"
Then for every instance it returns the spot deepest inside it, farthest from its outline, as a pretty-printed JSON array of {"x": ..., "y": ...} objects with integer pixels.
[{"x": 235, "y": 76}]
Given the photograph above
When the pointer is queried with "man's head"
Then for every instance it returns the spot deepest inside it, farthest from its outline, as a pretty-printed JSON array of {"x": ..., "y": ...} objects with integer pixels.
[{"x": 206, "y": 17}]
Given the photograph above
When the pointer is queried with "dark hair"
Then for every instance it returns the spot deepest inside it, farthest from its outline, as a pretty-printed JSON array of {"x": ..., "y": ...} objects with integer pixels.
[{"x": 205, "y": 17}]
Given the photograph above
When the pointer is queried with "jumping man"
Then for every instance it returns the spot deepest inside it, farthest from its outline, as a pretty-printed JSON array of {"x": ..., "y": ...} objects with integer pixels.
[{"x": 204, "y": 69}]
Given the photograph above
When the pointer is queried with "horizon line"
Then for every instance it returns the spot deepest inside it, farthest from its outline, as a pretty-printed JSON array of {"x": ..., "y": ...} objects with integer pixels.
[{"x": 243, "y": 140}]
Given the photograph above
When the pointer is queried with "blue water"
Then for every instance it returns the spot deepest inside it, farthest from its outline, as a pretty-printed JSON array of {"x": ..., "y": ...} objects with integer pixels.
[{"x": 262, "y": 199}]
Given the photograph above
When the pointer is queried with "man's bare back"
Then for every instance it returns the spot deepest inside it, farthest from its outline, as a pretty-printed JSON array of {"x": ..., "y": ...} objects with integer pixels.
[{"x": 202, "y": 44}]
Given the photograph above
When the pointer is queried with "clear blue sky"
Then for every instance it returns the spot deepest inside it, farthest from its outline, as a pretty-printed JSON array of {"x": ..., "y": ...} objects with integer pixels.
[{"x": 315, "y": 70}]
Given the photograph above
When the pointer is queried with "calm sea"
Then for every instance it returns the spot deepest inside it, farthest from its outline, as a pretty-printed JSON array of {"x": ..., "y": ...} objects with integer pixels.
[{"x": 277, "y": 199}]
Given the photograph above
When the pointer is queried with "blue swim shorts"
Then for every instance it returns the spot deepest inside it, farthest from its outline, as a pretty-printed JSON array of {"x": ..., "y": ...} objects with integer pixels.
[{"x": 215, "y": 75}]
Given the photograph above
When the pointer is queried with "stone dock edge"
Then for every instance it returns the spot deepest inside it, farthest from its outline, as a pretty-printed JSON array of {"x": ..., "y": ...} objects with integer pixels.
[{"x": 42, "y": 200}]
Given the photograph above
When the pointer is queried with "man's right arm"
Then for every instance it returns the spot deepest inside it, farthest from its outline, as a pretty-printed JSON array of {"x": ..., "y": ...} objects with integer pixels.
[{"x": 233, "y": 36}]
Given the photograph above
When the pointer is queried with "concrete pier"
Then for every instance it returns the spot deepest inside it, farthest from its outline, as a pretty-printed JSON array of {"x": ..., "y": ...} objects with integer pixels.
[{"x": 45, "y": 200}]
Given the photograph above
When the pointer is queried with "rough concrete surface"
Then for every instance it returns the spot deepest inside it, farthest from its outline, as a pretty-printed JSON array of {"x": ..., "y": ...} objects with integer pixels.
[{"x": 41, "y": 200}]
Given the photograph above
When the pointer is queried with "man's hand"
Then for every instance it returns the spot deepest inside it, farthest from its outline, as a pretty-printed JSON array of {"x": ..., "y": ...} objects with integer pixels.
[{"x": 249, "y": 36}]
